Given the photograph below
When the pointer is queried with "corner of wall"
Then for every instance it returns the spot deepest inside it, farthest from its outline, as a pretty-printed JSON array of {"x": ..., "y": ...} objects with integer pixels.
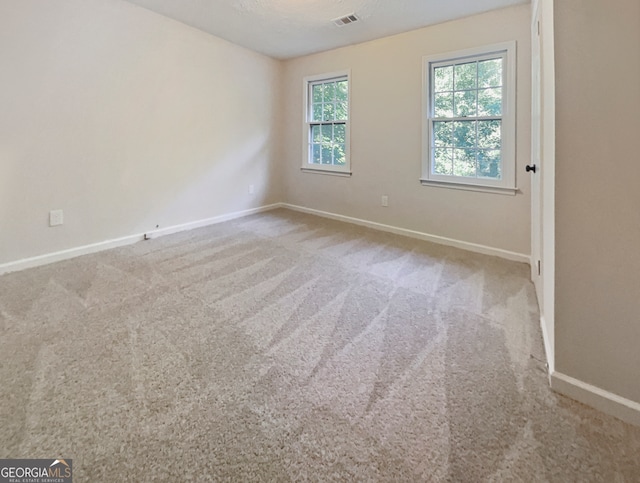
[{"x": 605, "y": 401}]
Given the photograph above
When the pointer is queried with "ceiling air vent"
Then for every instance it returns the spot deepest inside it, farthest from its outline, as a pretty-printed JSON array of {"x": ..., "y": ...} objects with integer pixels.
[{"x": 347, "y": 19}]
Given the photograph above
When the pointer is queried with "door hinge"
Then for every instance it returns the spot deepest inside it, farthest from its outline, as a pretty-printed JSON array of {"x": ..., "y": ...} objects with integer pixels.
[
  {"x": 538, "y": 28},
  {"x": 539, "y": 268}
]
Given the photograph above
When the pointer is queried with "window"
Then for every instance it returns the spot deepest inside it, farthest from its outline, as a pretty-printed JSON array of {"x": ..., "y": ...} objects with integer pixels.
[
  {"x": 326, "y": 130},
  {"x": 469, "y": 119}
]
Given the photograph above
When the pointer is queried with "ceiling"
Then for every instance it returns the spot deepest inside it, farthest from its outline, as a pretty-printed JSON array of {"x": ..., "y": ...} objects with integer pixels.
[{"x": 290, "y": 28}]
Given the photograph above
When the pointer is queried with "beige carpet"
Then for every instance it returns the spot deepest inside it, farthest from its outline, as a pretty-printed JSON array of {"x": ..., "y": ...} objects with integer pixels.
[{"x": 285, "y": 347}]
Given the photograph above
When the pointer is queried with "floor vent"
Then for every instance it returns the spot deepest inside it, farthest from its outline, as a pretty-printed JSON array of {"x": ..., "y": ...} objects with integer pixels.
[{"x": 347, "y": 19}]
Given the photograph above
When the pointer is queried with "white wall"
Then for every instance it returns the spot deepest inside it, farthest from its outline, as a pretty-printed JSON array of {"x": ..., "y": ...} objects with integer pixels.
[
  {"x": 597, "y": 317},
  {"x": 125, "y": 120},
  {"x": 386, "y": 90}
]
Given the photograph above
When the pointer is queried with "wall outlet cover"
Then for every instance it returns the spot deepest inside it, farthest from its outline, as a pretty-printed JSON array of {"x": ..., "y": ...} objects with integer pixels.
[{"x": 56, "y": 217}]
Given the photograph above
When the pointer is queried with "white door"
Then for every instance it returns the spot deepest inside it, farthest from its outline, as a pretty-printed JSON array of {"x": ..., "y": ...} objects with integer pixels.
[{"x": 535, "y": 165}]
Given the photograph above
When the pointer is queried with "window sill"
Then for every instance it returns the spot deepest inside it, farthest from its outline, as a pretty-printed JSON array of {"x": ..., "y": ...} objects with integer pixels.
[
  {"x": 344, "y": 174},
  {"x": 470, "y": 187}
]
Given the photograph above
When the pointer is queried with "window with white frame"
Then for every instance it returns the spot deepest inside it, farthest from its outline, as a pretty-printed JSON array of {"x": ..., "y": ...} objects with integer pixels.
[
  {"x": 326, "y": 130},
  {"x": 469, "y": 119}
]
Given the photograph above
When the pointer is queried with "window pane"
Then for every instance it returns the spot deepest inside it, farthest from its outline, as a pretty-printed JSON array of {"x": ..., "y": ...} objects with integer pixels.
[
  {"x": 341, "y": 111},
  {"x": 339, "y": 157},
  {"x": 490, "y": 102},
  {"x": 464, "y": 162},
  {"x": 489, "y": 165},
  {"x": 315, "y": 153},
  {"x": 327, "y": 135},
  {"x": 329, "y": 92},
  {"x": 465, "y": 76},
  {"x": 342, "y": 91},
  {"x": 327, "y": 112},
  {"x": 443, "y": 77},
  {"x": 317, "y": 112},
  {"x": 316, "y": 93},
  {"x": 326, "y": 154},
  {"x": 316, "y": 134},
  {"x": 489, "y": 134},
  {"x": 490, "y": 73},
  {"x": 443, "y": 133},
  {"x": 443, "y": 105},
  {"x": 464, "y": 134},
  {"x": 339, "y": 133},
  {"x": 465, "y": 104},
  {"x": 443, "y": 161}
]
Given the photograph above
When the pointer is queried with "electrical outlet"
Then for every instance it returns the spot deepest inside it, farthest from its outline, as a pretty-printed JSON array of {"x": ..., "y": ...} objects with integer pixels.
[
  {"x": 56, "y": 217},
  {"x": 252, "y": 189},
  {"x": 385, "y": 200}
]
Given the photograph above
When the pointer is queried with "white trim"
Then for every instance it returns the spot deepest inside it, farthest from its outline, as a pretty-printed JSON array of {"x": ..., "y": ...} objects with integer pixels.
[
  {"x": 48, "y": 258},
  {"x": 472, "y": 247},
  {"x": 605, "y": 401},
  {"x": 211, "y": 221},
  {"x": 472, "y": 52},
  {"x": 344, "y": 174},
  {"x": 548, "y": 349},
  {"x": 326, "y": 77},
  {"x": 469, "y": 187}
]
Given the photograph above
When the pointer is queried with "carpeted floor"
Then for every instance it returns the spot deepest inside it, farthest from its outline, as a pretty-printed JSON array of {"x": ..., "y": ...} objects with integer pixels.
[{"x": 284, "y": 347}]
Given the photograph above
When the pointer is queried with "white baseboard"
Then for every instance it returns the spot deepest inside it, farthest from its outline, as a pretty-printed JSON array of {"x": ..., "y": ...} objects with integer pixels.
[
  {"x": 472, "y": 247},
  {"x": 48, "y": 258},
  {"x": 605, "y": 401},
  {"x": 210, "y": 221}
]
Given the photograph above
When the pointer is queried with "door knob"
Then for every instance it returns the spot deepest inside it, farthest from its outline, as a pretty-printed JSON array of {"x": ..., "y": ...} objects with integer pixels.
[{"x": 531, "y": 168}]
